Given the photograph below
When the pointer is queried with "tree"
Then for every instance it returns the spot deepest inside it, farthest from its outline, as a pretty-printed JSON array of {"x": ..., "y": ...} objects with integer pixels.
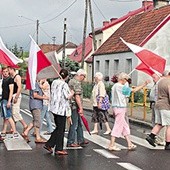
[{"x": 70, "y": 65}]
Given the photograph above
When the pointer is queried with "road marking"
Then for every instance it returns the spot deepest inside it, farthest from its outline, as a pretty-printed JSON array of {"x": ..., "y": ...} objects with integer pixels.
[
  {"x": 16, "y": 143},
  {"x": 144, "y": 143},
  {"x": 101, "y": 141},
  {"x": 128, "y": 166},
  {"x": 105, "y": 153},
  {"x": 48, "y": 136}
]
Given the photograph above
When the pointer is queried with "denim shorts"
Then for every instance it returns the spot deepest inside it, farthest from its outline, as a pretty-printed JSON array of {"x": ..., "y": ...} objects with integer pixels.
[{"x": 6, "y": 112}]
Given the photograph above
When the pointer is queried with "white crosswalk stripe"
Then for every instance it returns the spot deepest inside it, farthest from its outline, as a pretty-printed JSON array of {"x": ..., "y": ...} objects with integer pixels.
[
  {"x": 16, "y": 143},
  {"x": 103, "y": 142},
  {"x": 128, "y": 166}
]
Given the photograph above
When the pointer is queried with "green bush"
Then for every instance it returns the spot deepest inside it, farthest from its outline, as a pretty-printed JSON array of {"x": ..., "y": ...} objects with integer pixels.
[{"x": 87, "y": 89}]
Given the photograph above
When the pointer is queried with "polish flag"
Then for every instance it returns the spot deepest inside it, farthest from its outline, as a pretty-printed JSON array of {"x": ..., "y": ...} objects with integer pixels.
[
  {"x": 150, "y": 59},
  {"x": 37, "y": 61},
  {"x": 7, "y": 57},
  {"x": 145, "y": 69}
]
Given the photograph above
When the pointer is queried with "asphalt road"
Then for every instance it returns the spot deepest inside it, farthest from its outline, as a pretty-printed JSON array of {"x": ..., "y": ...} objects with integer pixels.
[{"x": 95, "y": 156}]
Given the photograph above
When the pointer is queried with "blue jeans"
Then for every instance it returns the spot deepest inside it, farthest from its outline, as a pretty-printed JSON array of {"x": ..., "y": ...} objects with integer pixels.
[
  {"x": 75, "y": 129},
  {"x": 45, "y": 114},
  {"x": 6, "y": 112}
]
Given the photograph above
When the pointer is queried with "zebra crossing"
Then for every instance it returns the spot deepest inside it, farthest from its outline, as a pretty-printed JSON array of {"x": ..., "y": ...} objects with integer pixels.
[{"x": 20, "y": 144}]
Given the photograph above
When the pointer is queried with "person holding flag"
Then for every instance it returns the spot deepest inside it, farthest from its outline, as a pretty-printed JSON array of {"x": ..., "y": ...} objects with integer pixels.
[{"x": 120, "y": 91}]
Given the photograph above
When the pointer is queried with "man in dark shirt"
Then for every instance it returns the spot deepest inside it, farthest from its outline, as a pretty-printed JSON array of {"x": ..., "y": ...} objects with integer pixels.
[
  {"x": 16, "y": 102},
  {"x": 7, "y": 92}
]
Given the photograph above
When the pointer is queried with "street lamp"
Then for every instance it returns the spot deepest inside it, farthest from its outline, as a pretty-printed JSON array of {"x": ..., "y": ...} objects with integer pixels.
[{"x": 37, "y": 26}]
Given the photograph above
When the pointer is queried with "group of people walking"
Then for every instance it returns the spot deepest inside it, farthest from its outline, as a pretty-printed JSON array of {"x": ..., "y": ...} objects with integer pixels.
[{"x": 65, "y": 102}]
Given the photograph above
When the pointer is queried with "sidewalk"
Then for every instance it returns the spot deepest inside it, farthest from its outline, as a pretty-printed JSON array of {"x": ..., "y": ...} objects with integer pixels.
[{"x": 137, "y": 112}]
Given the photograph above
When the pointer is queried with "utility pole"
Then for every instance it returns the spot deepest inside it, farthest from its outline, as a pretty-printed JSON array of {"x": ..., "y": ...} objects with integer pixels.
[
  {"x": 93, "y": 34},
  {"x": 64, "y": 44},
  {"x": 37, "y": 30},
  {"x": 84, "y": 34}
]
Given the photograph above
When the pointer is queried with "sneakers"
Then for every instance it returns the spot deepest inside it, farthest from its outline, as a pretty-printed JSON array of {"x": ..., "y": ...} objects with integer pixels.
[
  {"x": 113, "y": 148},
  {"x": 151, "y": 141}
]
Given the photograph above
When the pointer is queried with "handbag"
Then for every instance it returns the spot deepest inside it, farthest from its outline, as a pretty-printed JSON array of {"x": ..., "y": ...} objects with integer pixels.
[{"x": 105, "y": 105}]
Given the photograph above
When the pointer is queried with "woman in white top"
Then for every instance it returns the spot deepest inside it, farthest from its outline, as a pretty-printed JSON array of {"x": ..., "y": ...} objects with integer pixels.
[
  {"x": 99, "y": 90},
  {"x": 59, "y": 106},
  {"x": 120, "y": 91}
]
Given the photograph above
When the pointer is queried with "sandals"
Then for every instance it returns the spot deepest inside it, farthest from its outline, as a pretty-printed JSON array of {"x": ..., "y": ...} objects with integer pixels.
[
  {"x": 15, "y": 135},
  {"x": 94, "y": 132},
  {"x": 48, "y": 148},
  {"x": 41, "y": 140},
  {"x": 113, "y": 148},
  {"x": 25, "y": 137},
  {"x": 63, "y": 152},
  {"x": 3, "y": 135},
  {"x": 25, "y": 128},
  {"x": 132, "y": 147}
]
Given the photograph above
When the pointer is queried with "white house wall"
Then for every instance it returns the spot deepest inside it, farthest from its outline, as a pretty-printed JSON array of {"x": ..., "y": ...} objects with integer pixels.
[
  {"x": 68, "y": 51},
  {"x": 108, "y": 32},
  {"x": 122, "y": 57}
]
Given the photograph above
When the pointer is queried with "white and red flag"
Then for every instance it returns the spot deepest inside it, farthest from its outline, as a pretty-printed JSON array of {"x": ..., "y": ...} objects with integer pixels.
[
  {"x": 7, "y": 57},
  {"x": 37, "y": 61},
  {"x": 149, "y": 59}
]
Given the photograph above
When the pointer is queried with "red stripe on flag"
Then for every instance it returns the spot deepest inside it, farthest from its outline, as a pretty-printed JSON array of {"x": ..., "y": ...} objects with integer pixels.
[
  {"x": 42, "y": 61},
  {"x": 28, "y": 82},
  {"x": 4, "y": 59},
  {"x": 145, "y": 69},
  {"x": 152, "y": 60}
]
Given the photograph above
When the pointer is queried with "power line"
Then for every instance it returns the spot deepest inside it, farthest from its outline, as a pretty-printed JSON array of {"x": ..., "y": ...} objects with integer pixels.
[
  {"x": 60, "y": 13},
  {"x": 99, "y": 10},
  {"x": 46, "y": 33}
]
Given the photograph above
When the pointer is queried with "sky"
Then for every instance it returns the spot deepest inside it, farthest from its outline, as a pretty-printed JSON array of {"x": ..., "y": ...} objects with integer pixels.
[{"x": 18, "y": 19}]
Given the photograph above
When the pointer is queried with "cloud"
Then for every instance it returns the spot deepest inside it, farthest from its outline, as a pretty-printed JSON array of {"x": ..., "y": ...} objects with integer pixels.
[{"x": 44, "y": 10}]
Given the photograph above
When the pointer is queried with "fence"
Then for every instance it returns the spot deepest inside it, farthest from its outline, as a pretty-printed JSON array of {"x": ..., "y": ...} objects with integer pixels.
[{"x": 140, "y": 108}]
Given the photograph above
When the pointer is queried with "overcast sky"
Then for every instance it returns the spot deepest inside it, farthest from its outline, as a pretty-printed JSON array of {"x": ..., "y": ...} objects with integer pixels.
[{"x": 51, "y": 14}]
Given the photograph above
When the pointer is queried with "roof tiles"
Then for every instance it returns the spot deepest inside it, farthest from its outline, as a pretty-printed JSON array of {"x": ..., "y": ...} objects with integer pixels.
[{"x": 135, "y": 30}]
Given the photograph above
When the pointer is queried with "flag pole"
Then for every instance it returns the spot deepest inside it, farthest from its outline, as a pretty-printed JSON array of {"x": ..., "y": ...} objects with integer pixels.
[
  {"x": 131, "y": 72},
  {"x": 56, "y": 71}
]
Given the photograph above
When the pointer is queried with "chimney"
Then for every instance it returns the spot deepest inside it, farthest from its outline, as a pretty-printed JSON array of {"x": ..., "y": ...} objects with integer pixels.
[
  {"x": 146, "y": 3},
  {"x": 105, "y": 23},
  {"x": 113, "y": 19},
  {"x": 160, "y": 3}
]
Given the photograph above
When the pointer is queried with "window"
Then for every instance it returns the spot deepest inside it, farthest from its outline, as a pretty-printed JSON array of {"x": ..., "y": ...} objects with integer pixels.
[
  {"x": 97, "y": 66},
  {"x": 107, "y": 67},
  {"x": 128, "y": 65},
  {"x": 116, "y": 66}
]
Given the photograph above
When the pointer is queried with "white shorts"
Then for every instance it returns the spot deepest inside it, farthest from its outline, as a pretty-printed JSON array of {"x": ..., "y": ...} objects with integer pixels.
[{"x": 162, "y": 117}]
